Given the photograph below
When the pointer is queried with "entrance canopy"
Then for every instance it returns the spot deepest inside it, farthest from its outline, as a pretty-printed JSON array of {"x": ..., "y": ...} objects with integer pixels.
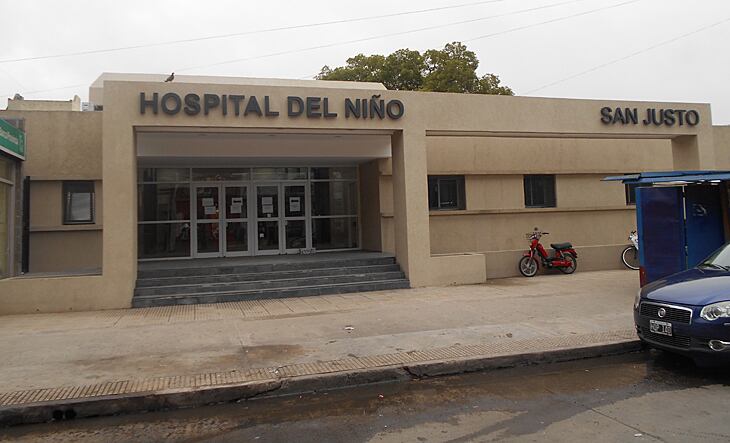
[{"x": 198, "y": 147}]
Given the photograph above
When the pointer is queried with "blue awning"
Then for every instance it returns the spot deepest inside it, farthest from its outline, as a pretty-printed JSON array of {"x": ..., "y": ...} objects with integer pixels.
[{"x": 680, "y": 177}]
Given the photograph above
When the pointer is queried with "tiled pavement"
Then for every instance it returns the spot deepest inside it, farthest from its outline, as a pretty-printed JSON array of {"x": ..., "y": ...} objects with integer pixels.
[
  {"x": 81, "y": 355},
  {"x": 246, "y": 375}
]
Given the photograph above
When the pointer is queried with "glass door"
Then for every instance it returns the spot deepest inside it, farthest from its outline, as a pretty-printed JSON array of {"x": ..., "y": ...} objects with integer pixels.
[
  {"x": 268, "y": 221},
  {"x": 235, "y": 240},
  {"x": 295, "y": 217},
  {"x": 207, "y": 221}
]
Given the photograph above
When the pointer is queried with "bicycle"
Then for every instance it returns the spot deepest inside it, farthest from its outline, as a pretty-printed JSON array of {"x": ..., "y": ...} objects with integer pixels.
[{"x": 630, "y": 255}]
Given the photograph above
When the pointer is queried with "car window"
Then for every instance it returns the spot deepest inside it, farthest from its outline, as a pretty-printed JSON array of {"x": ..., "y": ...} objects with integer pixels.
[{"x": 721, "y": 257}]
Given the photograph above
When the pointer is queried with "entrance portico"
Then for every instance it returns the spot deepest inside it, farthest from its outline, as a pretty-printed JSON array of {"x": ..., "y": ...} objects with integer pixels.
[{"x": 146, "y": 138}]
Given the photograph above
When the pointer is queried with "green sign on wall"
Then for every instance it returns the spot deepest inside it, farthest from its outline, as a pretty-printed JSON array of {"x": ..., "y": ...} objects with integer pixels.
[{"x": 12, "y": 140}]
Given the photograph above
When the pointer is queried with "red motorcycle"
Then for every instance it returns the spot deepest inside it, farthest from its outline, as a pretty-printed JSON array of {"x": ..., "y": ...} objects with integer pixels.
[{"x": 565, "y": 258}]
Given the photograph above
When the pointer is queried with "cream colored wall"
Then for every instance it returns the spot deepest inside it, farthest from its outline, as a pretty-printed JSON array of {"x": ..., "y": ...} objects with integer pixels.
[
  {"x": 65, "y": 252},
  {"x": 388, "y": 233},
  {"x": 61, "y": 144},
  {"x": 45, "y": 105},
  {"x": 506, "y": 192},
  {"x": 498, "y": 232},
  {"x": 492, "y": 192},
  {"x": 599, "y": 236},
  {"x": 46, "y": 206},
  {"x": 502, "y": 264},
  {"x": 370, "y": 206},
  {"x": 55, "y": 247},
  {"x": 501, "y": 155},
  {"x": 23, "y": 295},
  {"x": 588, "y": 191},
  {"x": 591, "y": 214},
  {"x": 386, "y": 194},
  {"x": 459, "y": 119},
  {"x": 722, "y": 146}
]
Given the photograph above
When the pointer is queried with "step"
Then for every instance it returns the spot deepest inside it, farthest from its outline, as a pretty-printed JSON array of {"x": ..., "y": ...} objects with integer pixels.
[
  {"x": 275, "y": 275},
  {"x": 195, "y": 270},
  {"x": 305, "y": 291},
  {"x": 267, "y": 284}
]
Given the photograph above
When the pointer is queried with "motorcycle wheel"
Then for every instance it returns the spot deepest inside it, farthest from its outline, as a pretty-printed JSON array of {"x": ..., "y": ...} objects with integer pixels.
[
  {"x": 528, "y": 266},
  {"x": 630, "y": 257},
  {"x": 570, "y": 269}
]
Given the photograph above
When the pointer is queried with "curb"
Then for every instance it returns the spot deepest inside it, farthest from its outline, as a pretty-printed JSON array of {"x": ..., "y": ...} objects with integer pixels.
[{"x": 178, "y": 398}]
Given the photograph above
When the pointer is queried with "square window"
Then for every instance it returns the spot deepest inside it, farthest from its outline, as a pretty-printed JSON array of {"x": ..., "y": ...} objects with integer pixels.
[
  {"x": 78, "y": 202},
  {"x": 540, "y": 191},
  {"x": 446, "y": 192}
]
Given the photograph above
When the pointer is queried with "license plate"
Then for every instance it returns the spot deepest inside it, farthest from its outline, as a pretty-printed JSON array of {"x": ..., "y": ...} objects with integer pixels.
[{"x": 660, "y": 327}]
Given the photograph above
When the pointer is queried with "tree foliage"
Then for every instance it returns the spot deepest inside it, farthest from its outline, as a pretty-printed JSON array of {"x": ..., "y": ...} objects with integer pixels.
[{"x": 451, "y": 69}]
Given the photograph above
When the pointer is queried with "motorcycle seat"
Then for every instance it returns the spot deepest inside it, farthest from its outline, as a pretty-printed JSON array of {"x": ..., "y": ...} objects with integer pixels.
[{"x": 565, "y": 245}]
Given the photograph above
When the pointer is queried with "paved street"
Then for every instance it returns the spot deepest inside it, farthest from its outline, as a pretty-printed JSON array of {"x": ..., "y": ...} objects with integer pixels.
[{"x": 636, "y": 397}]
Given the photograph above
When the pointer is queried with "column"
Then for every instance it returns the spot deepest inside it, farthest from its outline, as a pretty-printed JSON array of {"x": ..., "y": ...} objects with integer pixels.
[
  {"x": 119, "y": 172},
  {"x": 410, "y": 204}
]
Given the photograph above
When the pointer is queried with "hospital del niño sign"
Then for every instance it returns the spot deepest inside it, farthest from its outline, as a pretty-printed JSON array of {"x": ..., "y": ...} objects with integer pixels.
[{"x": 373, "y": 107}]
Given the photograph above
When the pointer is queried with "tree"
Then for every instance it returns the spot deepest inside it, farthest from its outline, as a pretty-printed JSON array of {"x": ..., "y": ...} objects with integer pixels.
[
  {"x": 403, "y": 70},
  {"x": 360, "y": 68},
  {"x": 451, "y": 69},
  {"x": 489, "y": 84}
]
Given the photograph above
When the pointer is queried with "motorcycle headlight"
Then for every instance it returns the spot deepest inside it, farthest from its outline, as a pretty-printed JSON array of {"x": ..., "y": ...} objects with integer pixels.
[
  {"x": 716, "y": 310},
  {"x": 637, "y": 300}
]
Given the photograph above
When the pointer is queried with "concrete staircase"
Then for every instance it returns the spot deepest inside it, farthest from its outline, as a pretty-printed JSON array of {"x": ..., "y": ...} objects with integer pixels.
[{"x": 276, "y": 279}]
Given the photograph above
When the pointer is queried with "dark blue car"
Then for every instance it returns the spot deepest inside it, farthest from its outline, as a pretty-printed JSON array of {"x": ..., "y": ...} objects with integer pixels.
[{"x": 689, "y": 312}]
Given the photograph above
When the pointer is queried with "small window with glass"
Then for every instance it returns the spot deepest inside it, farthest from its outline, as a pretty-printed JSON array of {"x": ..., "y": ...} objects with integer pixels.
[
  {"x": 540, "y": 191},
  {"x": 78, "y": 202},
  {"x": 446, "y": 192}
]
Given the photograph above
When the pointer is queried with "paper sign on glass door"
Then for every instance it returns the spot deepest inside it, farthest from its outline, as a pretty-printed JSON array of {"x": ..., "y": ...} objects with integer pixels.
[
  {"x": 236, "y": 205},
  {"x": 295, "y": 204},
  {"x": 267, "y": 205},
  {"x": 208, "y": 201}
]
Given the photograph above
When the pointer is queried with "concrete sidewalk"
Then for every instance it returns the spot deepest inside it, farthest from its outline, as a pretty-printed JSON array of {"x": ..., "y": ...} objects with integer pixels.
[{"x": 55, "y": 358}]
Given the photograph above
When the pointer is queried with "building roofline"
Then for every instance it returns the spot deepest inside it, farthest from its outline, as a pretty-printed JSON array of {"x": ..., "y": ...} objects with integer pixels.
[{"x": 243, "y": 81}]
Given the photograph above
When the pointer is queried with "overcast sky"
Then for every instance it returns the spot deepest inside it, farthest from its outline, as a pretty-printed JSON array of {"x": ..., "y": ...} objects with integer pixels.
[{"x": 524, "y": 53}]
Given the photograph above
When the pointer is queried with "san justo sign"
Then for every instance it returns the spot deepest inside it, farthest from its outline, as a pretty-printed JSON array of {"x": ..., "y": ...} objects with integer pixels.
[{"x": 12, "y": 140}]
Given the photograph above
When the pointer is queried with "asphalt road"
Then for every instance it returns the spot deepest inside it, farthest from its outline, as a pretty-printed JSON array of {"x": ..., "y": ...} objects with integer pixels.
[{"x": 636, "y": 398}]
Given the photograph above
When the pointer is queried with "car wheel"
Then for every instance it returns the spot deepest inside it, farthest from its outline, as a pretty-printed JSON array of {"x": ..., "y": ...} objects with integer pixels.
[{"x": 645, "y": 346}]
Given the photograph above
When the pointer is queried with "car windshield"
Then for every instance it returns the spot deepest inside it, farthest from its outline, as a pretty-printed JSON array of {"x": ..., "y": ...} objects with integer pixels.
[{"x": 719, "y": 258}]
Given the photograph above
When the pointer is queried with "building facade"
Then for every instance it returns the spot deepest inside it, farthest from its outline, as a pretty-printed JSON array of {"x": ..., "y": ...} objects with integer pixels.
[{"x": 229, "y": 167}]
